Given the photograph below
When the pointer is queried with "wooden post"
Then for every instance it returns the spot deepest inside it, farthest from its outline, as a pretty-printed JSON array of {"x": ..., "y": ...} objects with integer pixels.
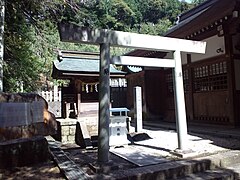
[
  {"x": 60, "y": 96},
  {"x": 104, "y": 104},
  {"x": 191, "y": 88},
  {"x": 138, "y": 108},
  {"x": 55, "y": 93},
  {"x": 78, "y": 104},
  {"x": 50, "y": 96}
]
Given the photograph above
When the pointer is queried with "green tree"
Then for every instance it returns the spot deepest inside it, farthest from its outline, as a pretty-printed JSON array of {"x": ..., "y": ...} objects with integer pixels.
[
  {"x": 32, "y": 39},
  {"x": 115, "y": 14},
  {"x": 172, "y": 10},
  {"x": 197, "y": 2},
  {"x": 21, "y": 65},
  {"x": 154, "y": 29},
  {"x": 152, "y": 10}
]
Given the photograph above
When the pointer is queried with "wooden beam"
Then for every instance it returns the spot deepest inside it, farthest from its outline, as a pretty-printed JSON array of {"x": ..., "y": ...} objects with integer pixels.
[
  {"x": 142, "y": 61},
  {"x": 77, "y": 34}
]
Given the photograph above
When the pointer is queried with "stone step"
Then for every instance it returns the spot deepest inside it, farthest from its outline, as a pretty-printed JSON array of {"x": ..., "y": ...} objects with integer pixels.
[
  {"x": 168, "y": 170},
  {"x": 69, "y": 168},
  {"x": 229, "y": 158},
  {"x": 219, "y": 166},
  {"x": 219, "y": 174},
  {"x": 236, "y": 169},
  {"x": 83, "y": 137},
  {"x": 223, "y": 159}
]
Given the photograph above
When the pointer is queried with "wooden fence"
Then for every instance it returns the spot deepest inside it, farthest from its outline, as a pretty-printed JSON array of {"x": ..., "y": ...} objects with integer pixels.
[
  {"x": 52, "y": 96},
  {"x": 54, "y": 99}
]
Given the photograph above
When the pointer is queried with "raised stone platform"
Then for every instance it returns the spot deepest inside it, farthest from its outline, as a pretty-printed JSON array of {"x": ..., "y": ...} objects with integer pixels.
[
  {"x": 66, "y": 130},
  {"x": 84, "y": 129}
]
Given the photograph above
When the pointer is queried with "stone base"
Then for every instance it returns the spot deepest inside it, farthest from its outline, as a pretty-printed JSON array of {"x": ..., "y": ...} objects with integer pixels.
[
  {"x": 66, "y": 131},
  {"x": 21, "y": 152},
  {"x": 103, "y": 168},
  {"x": 184, "y": 153}
]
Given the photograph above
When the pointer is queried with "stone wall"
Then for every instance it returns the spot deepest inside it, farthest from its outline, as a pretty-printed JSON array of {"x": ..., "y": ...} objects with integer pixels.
[
  {"x": 24, "y": 121},
  {"x": 66, "y": 130},
  {"x": 21, "y": 152}
]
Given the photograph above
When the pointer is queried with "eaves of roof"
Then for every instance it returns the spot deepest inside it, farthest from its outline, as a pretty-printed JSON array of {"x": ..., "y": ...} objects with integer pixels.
[
  {"x": 76, "y": 66},
  {"x": 202, "y": 18}
]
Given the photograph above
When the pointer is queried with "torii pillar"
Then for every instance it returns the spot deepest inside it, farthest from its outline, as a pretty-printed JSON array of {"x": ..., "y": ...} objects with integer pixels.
[
  {"x": 106, "y": 38},
  {"x": 104, "y": 104}
]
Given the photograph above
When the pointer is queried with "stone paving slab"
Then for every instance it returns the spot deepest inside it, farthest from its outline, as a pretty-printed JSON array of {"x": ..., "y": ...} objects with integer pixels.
[{"x": 140, "y": 158}]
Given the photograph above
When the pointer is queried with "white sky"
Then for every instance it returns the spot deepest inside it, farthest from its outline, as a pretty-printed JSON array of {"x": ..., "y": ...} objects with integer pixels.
[{"x": 187, "y": 1}]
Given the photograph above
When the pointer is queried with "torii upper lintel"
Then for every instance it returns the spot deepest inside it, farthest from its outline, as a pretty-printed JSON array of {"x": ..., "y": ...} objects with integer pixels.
[{"x": 77, "y": 34}]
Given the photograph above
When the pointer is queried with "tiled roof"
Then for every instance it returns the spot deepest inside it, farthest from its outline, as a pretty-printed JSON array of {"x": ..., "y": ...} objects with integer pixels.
[{"x": 81, "y": 65}]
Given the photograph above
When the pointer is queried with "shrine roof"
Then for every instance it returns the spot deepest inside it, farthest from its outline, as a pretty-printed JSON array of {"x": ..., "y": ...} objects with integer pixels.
[
  {"x": 85, "y": 65},
  {"x": 81, "y": 65},
  {"x": 204, "y": 16}
]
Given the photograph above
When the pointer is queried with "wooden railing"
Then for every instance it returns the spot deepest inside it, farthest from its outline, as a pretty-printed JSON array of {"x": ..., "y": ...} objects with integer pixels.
[{"x": 52, "y": 96}]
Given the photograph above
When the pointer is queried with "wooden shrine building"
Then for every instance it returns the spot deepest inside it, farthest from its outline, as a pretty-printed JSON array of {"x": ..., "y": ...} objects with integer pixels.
[
  {"x": 81, "y": 95},
  {"x": 211, "y": 80}
]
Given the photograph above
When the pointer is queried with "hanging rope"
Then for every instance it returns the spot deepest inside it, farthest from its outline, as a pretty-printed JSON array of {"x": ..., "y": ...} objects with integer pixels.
[
  {"x": 90, "y": 87},
  {"x": 87, "y": 88}
]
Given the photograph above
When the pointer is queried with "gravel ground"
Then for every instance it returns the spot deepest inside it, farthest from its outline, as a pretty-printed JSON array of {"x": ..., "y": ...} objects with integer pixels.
[
  {"x": 156, "y": 142},
  {"x": 199, "y": 143},
  {"x": 42, "y": 171}
]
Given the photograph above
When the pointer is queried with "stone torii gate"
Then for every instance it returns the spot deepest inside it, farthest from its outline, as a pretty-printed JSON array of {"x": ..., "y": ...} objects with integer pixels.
[{"x": 106, "y": 38}]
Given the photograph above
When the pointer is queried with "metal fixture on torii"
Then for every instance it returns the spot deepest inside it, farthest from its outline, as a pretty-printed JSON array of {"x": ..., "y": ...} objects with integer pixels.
[{"x": 106, "y": 38}]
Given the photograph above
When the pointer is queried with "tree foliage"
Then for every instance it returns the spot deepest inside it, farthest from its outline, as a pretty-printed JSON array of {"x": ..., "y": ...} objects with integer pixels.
[
  {"x": 197, "y": 2},
  {"x": 32, "y": 39}
]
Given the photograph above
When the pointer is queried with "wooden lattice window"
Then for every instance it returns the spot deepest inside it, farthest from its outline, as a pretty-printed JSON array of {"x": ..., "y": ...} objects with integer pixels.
[
  {"x": 210, "y": 77},
  {"x": 169, "y": 81},
  {"x": 186, "y": 80}
]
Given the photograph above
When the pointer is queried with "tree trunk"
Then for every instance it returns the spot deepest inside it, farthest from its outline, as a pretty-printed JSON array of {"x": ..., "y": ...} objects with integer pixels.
[{"x": 2, "y": 14}]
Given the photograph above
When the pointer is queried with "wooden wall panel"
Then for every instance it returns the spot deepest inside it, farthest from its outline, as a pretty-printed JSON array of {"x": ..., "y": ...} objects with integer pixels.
[
  {"x": 155, "y": 92},
  {"x": 212, "y": 107}
]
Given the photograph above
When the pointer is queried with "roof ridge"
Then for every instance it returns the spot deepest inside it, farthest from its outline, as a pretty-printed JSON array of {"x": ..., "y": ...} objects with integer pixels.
[
  {"x": 196, "y": 9},
  {"x": 77, "y": 54}
]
